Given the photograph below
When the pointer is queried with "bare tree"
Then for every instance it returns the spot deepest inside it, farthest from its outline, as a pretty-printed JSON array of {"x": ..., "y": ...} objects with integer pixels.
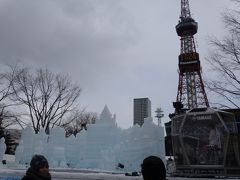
[
  {"x": 78, "y": 121},
  {"x": 224, "y": 60},
  {"x": 7, "y": 118},
  {"x": 48, "y": 97}
]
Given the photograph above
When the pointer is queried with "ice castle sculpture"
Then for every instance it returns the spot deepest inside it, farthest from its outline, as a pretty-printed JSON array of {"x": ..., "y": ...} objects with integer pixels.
[
  {"x": 103, "y": 146},
  {"x": 2, "y": 148},
  {"x": 100, "y": 141}
]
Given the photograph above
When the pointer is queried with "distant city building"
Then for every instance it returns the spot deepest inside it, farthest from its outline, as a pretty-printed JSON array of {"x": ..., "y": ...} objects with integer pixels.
[{"x": 141, "y": 110}]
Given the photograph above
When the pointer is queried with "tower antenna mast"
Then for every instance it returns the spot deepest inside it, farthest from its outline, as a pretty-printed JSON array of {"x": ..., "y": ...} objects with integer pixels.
[{"x": 191, "y": 92}]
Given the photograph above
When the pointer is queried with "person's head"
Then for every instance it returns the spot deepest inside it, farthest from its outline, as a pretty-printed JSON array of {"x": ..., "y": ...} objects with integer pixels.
[
  {"x": 153, "y": 168},
  {"x": 40, "y": 164}
]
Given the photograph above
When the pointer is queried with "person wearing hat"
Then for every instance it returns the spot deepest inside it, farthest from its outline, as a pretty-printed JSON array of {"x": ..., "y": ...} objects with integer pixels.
[
  {"x": 153, "y": 168},
  {"x": 38, "y": 170}
]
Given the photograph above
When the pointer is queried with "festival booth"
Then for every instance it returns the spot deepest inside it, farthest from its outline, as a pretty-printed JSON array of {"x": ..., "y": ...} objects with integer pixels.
[{"x": 205, "y": 142}]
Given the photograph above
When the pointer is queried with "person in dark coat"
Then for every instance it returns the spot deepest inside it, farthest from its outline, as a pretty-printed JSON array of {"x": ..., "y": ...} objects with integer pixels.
[
  {"x": 38, "y": 170},
  {"x": 153, "y": 168}
]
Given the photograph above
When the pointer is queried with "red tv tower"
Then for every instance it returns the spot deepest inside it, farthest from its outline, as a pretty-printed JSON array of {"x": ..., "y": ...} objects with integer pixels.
[{"x": 191, "y": 93}]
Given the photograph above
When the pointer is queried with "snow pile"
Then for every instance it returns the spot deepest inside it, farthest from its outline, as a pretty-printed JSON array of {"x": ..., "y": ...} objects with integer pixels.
[{"x": 103, "y": 146}]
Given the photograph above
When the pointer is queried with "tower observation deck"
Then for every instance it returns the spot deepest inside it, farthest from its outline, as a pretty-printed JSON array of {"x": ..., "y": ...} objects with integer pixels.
[{"x": 191, "y": 92}]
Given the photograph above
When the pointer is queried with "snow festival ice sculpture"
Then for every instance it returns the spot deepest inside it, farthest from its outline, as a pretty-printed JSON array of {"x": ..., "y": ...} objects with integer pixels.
[
  {"x": 103, "y": 146},
  {"x": 101, "y": 139},
  {"x": 2, "y": 148},
  {"x": 139, "y": 142}
]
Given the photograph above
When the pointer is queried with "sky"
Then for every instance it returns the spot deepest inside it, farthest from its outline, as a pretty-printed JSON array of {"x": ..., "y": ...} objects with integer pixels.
[{"x": 116, "y": 50}]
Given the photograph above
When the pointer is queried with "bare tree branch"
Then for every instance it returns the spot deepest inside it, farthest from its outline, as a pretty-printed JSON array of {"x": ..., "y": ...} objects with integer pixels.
[
  {"x": 7, "y": 118},
  {"x": 224, "y": 61},
  {"x": 78, "y": 121},
  {"x": 47, "y": 96}
]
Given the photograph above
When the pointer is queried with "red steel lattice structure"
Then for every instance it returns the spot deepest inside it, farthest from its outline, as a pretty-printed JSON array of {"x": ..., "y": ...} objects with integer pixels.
[{"x": 191, "y": 92}]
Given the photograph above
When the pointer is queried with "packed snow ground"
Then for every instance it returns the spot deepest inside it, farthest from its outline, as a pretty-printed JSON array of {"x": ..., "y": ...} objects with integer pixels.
[{"x": 68, "y": 174}]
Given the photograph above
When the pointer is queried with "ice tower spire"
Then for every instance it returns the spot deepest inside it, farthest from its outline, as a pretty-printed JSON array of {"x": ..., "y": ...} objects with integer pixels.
[{"x": 105, "y": 113}]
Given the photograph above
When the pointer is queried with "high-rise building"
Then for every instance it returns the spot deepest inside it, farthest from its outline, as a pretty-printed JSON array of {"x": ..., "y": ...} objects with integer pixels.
[{"x": 141, "y": 110}]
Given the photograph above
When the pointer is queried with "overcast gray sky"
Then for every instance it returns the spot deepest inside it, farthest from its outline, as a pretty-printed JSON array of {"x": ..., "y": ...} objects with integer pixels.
[{"x": 116, "y": 50}]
